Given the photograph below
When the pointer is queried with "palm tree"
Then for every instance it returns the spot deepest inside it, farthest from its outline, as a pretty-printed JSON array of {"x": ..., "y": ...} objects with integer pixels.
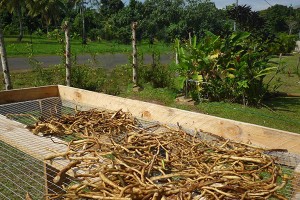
[
  {"x": 80, "y": 4},
  {"x": 49, "y": 10},
  {"x": 15, "y": 7}
]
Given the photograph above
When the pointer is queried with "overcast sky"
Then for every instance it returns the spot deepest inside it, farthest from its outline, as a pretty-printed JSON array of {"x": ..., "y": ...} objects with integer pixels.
[{"x": 255, "y": 4}]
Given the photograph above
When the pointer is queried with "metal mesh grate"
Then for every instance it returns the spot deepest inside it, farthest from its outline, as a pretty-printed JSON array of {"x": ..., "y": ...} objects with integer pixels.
[
  {"x": 20, "y": 173},
  {"x": 22, "y": 153},
  {"x": 23, "y": 170}
]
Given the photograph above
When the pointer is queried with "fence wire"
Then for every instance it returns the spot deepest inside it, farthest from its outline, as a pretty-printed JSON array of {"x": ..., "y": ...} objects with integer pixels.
[{"x": 22, "y": 166}]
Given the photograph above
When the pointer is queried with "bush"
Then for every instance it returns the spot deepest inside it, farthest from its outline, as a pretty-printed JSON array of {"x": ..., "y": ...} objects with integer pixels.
[
  {"x": 56, "y": 34},
  {"x": 230, "y": 69},
  {"x": 11, "y": 29},
  {"x": 282, "y": 43},
  {"x": 160, "y": 76},
  {"x": 118, "y": 80},
  {"x": 38, "y": 32},
  {"x": 86, "y": 77},
  {"x": 94, "y": 34}
]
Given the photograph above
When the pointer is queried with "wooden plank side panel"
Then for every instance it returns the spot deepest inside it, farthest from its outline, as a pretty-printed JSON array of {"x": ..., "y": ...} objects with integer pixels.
[
  {"x": 18, "y": 95},
  {"x": 14, "y": 134},
  {"x": 230, "y": 129}
]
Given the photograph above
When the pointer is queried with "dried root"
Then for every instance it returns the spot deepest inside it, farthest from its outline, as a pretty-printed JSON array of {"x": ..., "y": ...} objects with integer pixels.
[{"x": 166, "y": 164}]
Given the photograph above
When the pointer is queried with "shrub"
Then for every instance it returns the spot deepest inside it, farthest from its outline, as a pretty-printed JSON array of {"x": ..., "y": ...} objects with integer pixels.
[
  {"x": 11, "y": 29},
  {"x": 118, "y": 80},
  {"x": 94, "y": 34},
  {"x": 286, "y": 42},
  {"x": 230, "y": 69},
  {"x": 86, "y": 77},
  {"x": 282, "y": 43},
  {"x": 159, "y": 76},
  {"x": 38, "y": 32},
  {"x": 56, "y": 34}
]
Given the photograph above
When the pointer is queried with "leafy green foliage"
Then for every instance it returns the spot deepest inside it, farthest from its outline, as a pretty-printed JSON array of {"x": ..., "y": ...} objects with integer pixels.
[
  {"x": 109, "y": 7},
  {"x": 247, "y": 19},
  {"x": 230, "y": 69},
  {"x": 81, "y": 77},
  {"x": 117, "y": 80},
  {"x": 163, "y": 20},
  {"x": 276, "y": 17},
  {"x": 285, "y": 43},
  {"x": 159, "y": 76}
]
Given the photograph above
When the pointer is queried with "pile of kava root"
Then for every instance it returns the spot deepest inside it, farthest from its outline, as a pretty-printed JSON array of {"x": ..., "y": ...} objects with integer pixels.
[{"x": 116, "y": 158}]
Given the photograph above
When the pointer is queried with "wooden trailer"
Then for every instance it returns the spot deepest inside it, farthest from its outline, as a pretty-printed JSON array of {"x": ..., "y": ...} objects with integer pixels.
[{"x": 50, "y": 100}]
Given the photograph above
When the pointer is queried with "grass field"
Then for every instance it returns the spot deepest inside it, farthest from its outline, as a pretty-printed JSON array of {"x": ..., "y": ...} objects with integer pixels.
[
  {"x": 289, "y": 74},
  {"x": 45, "y": 46}
]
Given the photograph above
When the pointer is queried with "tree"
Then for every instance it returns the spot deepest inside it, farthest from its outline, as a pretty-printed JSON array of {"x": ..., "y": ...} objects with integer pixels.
[
  {"x": 159, "y": 15},
  {"x": 292, "y": 24},
  {"x": 276, "y": 17},
  {"x": 247, "y": 19},
  {"x": 50, "y": 11},
  {"x": 118, "y": 24},
  {"x": 202, "y": 16},
  {"x": 82, "y": 11},
  {"x": 5, "y": 68},
  {"x": 110, "y": 7},
  {"x": 85, "y": 14},
  {"x": 16, "y": 7}
]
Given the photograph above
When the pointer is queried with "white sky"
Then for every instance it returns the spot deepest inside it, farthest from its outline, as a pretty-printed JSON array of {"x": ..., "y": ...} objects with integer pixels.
[{"x": 255, "y": 4}]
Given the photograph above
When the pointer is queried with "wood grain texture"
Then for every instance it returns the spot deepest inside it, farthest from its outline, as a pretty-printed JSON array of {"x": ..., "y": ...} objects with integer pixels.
[
  {"x": 229, "y": 129},
  {"x": 28, "y": 94}
]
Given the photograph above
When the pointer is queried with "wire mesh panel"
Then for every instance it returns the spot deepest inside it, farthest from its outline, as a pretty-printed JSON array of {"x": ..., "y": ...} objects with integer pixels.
[
  {"x": 22, "y": 165},
  {"x": 20, "y": 173},
  {"x": 23, "y": 169}
]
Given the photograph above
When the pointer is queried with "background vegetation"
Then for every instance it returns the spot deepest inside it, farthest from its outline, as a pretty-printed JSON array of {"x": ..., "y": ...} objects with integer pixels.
[{"x": 158, "y": 20}]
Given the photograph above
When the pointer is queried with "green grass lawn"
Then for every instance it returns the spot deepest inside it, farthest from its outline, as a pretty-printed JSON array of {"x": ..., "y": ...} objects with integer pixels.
[
  {"x": 288, "y": 78},
  {"x": 45, "y": 46}
]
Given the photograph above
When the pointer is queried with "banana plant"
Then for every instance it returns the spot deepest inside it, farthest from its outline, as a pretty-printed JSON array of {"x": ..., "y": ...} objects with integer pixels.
[{"x": 230, "y": 69}]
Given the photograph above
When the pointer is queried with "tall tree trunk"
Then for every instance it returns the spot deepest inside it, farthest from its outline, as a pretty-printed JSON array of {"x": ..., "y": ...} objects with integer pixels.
[
  {"x": 83, "y": 25},
  {"x": 20, "y": 25},
  {"x": 5, "y": 68},
  {"x": 134, "y": 55},
  {"x": 68, "y": 53}
]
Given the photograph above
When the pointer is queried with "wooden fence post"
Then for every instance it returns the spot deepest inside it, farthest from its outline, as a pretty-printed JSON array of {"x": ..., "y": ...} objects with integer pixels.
[
  {"x": 134, "y": 55},
  {"x": 68, "y": 53},
  {"x": 5, "y": 68}
]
